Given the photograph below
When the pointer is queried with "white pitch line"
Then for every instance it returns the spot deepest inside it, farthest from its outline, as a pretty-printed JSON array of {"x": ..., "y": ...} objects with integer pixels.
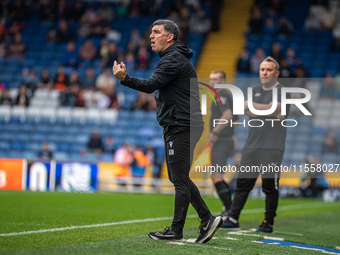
[
  {"x": 246, "y": 211},
  {"x": 288, "y": 233},
  {"x": 198, "y": 245},
  {"x": 231, "y": 238},
  {"x": 313, "y": 249},
  {"x": 273, "y": 238},
  {"x": 86, "y": 226},
  {"x": 243, "y": 234}
]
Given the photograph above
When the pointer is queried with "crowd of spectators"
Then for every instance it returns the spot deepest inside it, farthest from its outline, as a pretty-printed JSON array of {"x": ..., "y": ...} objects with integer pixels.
[
  {"x": 267, "y": 18},
  {"x": 91, "y": 44},
  {"x": 127, "y": 156}
]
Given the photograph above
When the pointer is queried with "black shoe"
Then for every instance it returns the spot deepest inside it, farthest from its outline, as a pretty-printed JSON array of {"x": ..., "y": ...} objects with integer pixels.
[
  {"x": 265, "y": 227},
  {"x": 208, "y": 229},
  {"x": 228, "y": 224},
  {"x": 167, "y": 234}
]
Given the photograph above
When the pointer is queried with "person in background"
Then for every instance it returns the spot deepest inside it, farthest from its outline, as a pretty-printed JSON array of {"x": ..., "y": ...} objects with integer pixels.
[{"x": 45, "y": 153}]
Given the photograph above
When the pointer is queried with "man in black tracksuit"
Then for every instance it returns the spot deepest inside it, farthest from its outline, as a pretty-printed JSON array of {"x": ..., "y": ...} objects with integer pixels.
[
  {"x": 264, "y": 147},
  {"x": 221, "y": 137},
  {"x": 178, "y": 112}
]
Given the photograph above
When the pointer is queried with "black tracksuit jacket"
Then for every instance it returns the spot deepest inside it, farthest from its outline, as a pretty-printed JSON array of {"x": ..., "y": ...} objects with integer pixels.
[{"x": 177, "y": 94}]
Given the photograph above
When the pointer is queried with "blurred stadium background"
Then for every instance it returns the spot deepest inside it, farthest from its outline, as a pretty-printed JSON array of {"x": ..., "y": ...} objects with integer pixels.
[{"x": 74, "y": 44}]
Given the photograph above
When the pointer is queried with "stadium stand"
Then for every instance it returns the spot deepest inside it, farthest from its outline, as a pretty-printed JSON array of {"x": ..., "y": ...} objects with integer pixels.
[{"x": 24, "y": 129}]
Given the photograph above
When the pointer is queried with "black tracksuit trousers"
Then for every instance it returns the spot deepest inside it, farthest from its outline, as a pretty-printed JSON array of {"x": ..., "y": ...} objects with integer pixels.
[
  {"x": 179, "y": 150},
  {"x": 246, "y": 181}
]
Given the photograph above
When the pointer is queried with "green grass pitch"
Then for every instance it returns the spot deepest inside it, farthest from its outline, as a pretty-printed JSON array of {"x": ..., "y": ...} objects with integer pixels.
[{"x": 120, "y": 228}]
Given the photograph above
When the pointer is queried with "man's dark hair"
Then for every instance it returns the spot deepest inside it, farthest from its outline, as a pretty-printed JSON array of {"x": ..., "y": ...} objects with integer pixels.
[{"x": 169, "y": 26}]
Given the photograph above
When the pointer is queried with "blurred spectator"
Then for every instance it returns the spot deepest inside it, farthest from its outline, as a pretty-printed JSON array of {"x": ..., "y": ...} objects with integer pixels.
[
  {"x": 184, "y": 21},
  {"x": 22, "y": 98},
  {"x": 312, "y": 23},
  {"x": 122, "y": 8},
  {"x": 143, "y": 57},
  {"x": 104, "y": 48},
  {"x": 64, "y": 33},
  {"x": 74, "y": 78},
  {"x": 45, "y": 153},
  {"x": 61, "y": 79},
  {"x": 17, "y": 48},
  {"x": 145, "y": 102},
  {"x": 285, "y": 71},
  {"x": 99, "y": 27},
  {"x": 102, "y": 100},
  {"x": 276, "y": 52},
  {"x": 112, "y": 55},
  {"x": 95, "y": 143},
  {"x": 32, "y": 83},
  {"x": 256, "y": 22},
  {"x": 130, "y": 62},
  {"x": 141, "y": 103},
  {"x": 89, "y": 81},
  {"x": 270, "y": 13},
  {"x": 285, "y": 26},
  {"x": 151, "y": 154},
  {"x": 70, "y": 57},
  {"x": 15, "y": 27},
  {"x": 84, "y": 28},
  {"x": 47, "y": 10},
  {"x": 135, "y": 35},
  {"x": 215, "y": 11},
  {"x": 330, "y": 143},
  {"x": 199, "y": 23},
  {"x": 3, "y": 50},
  {"x": 312, "y": 182},
  {"x": 291, "y": 59},
  {"x": 2, "y": 86},
  {"x": 256, "y": 60},
  {"x": 152, "y": 102},
  {"x": 52, "y": 37},
  {"x": 80, "y": 102},
  {"x": 109, "y": 146},
  {"x": 328, "y": 90},
  {"x": 123, "y": 159},
  {"x": 6, "y": 98},
  {"x": 131, "y": 48},
  {"x": 114, "y": 103},
  {"x": 6, "y": 8},
  {"x": 90, "y": 14},
  {"x": 77, "y": 11},
  {"x": 134, "y": 8},
  {"x": 87, "y": 51},
  {"x": 140, "y": 162},
  {"x": 69, "y": 96},
  {"x": 335, "y": 46},
  {"x": 243, "y": 63},
  {"x": 25, "y": 75},
  {"x": 105, "y": 13},
  {"x": 106, "y": 81},
  {"x": 269, "y": 27},
  {"x": 64, "y": 11},
  {"x": 45, "y": 80},
  {"x": 20, "y": 11},
  {"x": 327, "y": 19}
]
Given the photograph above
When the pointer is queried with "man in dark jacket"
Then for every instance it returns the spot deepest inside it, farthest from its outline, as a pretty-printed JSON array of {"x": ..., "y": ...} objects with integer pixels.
[{"x": 178, "y": 112}]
